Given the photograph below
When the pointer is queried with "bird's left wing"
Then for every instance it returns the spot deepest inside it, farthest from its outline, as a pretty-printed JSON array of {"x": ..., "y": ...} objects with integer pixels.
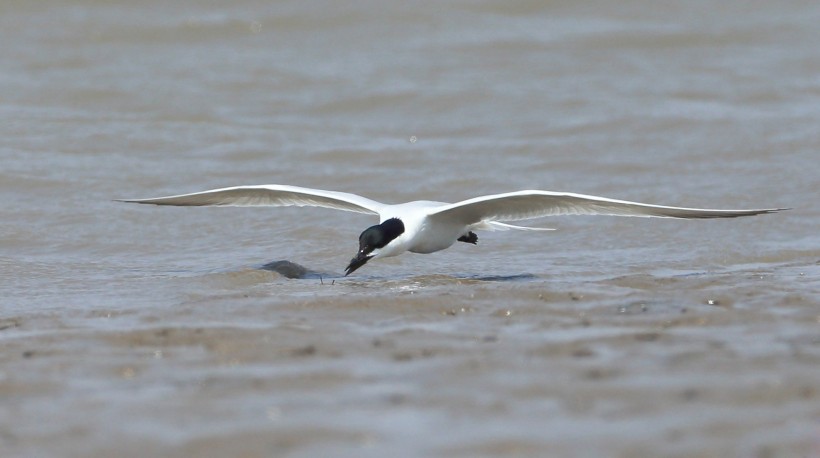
[
  {"x": 521, "y": 205},
  {"x": 269, "y": 195}
]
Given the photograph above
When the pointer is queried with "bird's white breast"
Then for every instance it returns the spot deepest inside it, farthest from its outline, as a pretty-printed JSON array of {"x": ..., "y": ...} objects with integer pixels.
[{"x": 421, "y": 234}]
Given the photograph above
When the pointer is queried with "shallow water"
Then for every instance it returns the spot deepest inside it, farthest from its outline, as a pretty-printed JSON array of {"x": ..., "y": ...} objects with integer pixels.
[{"x": 131, "y": 330}]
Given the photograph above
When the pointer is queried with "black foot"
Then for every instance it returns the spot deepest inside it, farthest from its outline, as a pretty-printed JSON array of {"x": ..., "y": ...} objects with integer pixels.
[{"x": 469, "y": 238}]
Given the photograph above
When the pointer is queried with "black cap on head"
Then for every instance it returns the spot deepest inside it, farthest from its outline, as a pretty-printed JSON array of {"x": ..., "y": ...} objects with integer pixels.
[{"x": 372, "y": 238}]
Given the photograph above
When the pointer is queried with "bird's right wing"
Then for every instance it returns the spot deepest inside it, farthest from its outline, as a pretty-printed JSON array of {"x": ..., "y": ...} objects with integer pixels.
[
  {"x": 521, "y": 205},
  {"x": 274, "y": 195}
]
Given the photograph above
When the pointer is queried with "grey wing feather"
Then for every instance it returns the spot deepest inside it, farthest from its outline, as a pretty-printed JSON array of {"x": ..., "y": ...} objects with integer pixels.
[
  {"x": 269, "y": 195},
  {"x": 522, "y": 205}
]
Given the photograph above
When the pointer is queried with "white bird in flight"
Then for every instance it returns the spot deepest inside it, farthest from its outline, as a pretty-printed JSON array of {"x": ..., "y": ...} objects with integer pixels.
[{"x": 426, "y": 226}]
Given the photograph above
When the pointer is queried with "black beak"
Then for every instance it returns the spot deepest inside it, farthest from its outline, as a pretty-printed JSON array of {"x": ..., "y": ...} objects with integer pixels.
[{"x": 360, "y": 260}]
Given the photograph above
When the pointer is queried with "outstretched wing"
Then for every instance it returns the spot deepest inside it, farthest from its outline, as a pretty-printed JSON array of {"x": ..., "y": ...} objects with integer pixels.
[
  {"x": 499, "y": 226},
  {"x": 274, "y": 195},
  {"x": 521, "y": 205}
]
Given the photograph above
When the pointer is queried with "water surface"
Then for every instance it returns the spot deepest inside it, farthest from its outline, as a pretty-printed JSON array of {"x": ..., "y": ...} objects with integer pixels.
[{"x": 132, "y": 330}]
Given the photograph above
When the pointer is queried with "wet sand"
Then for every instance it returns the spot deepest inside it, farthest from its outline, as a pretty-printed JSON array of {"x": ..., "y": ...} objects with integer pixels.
[{"x": 639, "y": 365}]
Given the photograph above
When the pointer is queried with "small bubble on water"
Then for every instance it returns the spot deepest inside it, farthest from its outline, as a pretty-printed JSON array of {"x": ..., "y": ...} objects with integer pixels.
[
  {"x": 273, "y": 413},
  {"x": 413, "y": 139}
]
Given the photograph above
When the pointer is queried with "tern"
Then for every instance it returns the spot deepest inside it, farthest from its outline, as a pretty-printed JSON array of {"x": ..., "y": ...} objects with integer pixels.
[{"x": 428, "y": 226}]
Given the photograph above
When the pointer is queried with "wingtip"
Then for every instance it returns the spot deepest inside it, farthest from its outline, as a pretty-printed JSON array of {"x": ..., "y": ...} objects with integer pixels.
[
  {"x": 774, "y": 210},
  {"x": 158, "y": 201}
]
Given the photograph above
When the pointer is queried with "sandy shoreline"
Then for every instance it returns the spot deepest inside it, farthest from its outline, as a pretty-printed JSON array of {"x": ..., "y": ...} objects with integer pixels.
[{"x": 655, "y": 370}]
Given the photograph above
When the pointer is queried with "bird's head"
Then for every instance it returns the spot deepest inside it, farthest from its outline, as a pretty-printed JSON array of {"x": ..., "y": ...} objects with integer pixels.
[{"x": 372, "y": 240}]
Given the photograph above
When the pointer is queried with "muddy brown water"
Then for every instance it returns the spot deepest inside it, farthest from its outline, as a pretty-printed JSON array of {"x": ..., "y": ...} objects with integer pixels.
[{"x": 140, "y": 331}]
